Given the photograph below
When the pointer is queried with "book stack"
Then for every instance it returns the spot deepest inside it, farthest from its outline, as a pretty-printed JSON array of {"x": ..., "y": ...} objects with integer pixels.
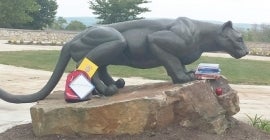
[{"x": 207, "y": 71}]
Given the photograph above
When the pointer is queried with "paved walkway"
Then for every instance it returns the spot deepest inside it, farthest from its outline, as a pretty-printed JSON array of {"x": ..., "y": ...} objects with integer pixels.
[
  {"x": 248, "y": 57},
  {"x": 253, "y": 99}
]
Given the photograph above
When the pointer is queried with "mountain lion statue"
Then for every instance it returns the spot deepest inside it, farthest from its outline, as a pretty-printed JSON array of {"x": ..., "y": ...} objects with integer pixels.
[{"x": 172, "y": 43}]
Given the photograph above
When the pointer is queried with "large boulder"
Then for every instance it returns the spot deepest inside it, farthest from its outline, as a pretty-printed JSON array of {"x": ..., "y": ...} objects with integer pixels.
[{"x": 136, "y": 109}]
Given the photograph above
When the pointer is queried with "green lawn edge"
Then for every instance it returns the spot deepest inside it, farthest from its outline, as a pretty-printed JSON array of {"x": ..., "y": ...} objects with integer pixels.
[{"x": 237, "y": 71}]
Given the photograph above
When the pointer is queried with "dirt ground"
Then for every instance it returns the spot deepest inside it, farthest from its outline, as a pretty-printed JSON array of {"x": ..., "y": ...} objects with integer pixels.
[{"x": 239, "y": 131}]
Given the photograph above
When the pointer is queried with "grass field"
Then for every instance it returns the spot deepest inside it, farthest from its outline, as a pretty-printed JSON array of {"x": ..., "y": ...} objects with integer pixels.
[{"x": 236, "y": 70}]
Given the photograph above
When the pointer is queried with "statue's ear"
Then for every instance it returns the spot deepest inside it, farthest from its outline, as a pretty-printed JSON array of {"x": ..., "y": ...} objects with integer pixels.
[{"x": 226, "y": 25}]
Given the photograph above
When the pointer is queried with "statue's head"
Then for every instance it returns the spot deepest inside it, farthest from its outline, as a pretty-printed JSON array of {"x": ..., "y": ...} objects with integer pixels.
[{"x": 231, "y": 41}]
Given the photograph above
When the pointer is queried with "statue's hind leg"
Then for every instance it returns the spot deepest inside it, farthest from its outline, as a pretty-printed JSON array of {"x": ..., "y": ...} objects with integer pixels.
[
  {"x": 102, "y": 88},
  {"x": 108, "y": 80},
  {"x": 103, "y": 55},
  {"x": 102, "y": 46}
]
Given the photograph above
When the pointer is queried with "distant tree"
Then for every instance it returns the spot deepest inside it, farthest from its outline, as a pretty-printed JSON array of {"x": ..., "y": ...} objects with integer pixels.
[
  {"x": 112, "y": 11},
  {"x": 44, "y": 16},
  {"x": 16, "y": 12},
  {"x": 265, "y": 30},
  {"x": 58, "y": 24},
  {"x": 258, "y": 33},
  {"x": 75, "y": 26},
  {"x": 248, "y": 35}
]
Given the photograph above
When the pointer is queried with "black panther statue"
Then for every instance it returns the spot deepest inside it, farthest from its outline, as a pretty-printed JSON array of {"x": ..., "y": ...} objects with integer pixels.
[{"x": 141, "y": 44}]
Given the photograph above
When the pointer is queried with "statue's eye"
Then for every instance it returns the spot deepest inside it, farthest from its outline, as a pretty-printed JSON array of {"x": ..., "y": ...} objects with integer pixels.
[{"x": 240, "y": 39}]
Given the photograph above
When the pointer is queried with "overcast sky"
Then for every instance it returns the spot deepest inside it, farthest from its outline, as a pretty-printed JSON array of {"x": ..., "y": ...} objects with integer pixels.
[{"x": 239, "y": 11}]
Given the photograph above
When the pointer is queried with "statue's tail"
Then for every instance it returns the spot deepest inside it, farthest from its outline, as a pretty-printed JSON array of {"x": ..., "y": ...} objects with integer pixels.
[{"x": 46, "y": 90}]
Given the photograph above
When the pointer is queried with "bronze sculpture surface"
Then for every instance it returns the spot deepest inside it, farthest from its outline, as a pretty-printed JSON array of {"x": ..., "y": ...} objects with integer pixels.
[{"x": 141, "y": 44}]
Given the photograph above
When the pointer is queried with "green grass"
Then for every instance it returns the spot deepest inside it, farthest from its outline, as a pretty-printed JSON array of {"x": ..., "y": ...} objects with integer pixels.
[
  {"x": 259, "y": 123},
  {"x": 44, "y": 60},
  {"x": 236, "y": 70}
]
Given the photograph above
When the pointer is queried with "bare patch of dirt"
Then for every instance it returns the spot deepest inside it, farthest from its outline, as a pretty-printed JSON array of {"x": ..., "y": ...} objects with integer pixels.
[{"x": 239, "y": 131}]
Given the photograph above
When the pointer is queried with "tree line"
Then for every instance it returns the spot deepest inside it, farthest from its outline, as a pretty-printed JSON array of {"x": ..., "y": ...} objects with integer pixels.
[
  {"x": 27, "y": 14},
  {"x": 40, "y": 14},
  {"x": 257, "y": 33}
]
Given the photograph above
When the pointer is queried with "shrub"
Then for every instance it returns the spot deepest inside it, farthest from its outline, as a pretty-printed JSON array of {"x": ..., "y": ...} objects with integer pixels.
[{"x": 259, "y": 123}]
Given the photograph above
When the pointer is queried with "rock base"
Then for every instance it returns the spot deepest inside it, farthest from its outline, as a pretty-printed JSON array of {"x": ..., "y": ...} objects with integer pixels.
[{"x": 136, "y": 109}]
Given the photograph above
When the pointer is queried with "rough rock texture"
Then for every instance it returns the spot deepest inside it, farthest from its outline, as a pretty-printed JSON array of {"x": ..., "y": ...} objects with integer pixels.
[
  {"x": 139, "y": 108},
  {"x": 20, "y": 35}
]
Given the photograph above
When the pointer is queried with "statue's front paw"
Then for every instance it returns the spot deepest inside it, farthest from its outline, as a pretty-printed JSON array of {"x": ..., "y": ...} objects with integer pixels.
[
  {"x": 192, "y": 71},
  {"x": 191, "y": 74}
]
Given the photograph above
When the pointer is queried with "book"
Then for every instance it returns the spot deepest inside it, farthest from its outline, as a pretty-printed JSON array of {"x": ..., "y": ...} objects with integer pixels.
[
  {"x": 207, "y": 71},
  {"x": 81, "y": 86}
]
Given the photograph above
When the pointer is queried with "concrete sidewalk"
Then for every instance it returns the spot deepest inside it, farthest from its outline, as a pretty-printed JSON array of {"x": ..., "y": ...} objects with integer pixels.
[
  {"x": 247, "y": 57},
  {"x": 21, "y": 81},
  {"x": 13, "y": 114}
]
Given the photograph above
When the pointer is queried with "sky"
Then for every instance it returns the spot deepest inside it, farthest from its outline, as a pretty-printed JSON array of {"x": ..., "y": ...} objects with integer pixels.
[{"x": 238, "y": 11}]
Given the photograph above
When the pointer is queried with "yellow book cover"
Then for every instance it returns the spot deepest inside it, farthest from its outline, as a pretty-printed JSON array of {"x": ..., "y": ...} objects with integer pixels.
[{"x": 88, "y": 66}]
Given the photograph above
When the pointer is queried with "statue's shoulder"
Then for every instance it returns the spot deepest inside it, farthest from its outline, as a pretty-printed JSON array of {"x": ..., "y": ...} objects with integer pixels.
[
  {"x": 184, "y": 27},
  {"x": 185, "y": 23}
]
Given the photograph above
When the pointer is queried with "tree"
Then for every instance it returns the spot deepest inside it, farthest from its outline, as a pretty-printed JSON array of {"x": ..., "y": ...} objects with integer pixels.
[
  {"x": 112, "y": 11},
  {"x": 16, "y": 12},
  {"x": 44, "y": 16},
  {"x": 265, "y": 31},
  {"x": 59, "y": 24},
  {"x": 75, "y": 26},
  {"x": 258, "y": 33}
]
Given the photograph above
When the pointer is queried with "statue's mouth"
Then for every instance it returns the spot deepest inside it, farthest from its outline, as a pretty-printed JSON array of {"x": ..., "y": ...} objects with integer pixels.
[{"x": 239, "y": 53}]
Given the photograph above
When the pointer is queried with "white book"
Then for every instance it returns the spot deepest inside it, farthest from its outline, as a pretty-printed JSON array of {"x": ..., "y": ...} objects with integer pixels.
[
  {"x": 81, "y": 86},
  {"x": 208, "y": 65}
]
